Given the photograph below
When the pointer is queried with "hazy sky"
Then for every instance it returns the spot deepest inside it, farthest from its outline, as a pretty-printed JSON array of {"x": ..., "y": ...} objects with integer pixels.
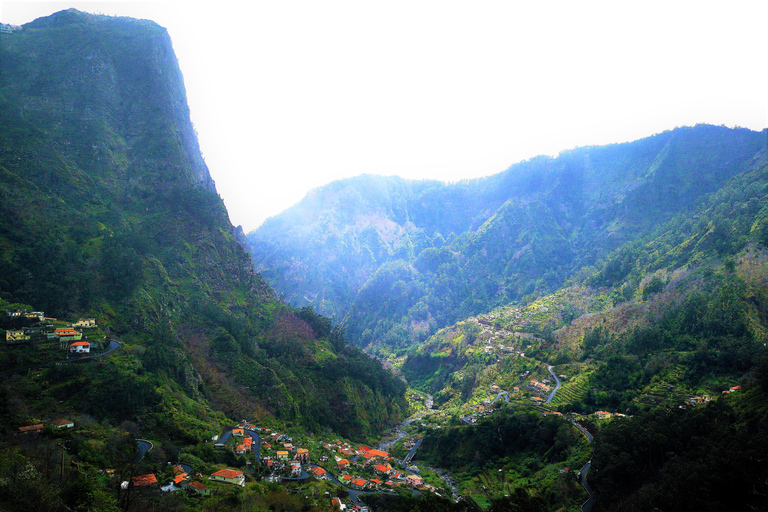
[{"x": 290, "y": 95}]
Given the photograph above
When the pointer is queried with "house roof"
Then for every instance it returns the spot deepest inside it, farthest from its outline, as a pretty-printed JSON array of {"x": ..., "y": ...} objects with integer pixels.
[
  {"x": 377, "y": 453},
  {"x": 199, "y": 486},
  {"x": 80, "y": 344},
  {"x": 302, "y": 450},
  {"x": 61, "y": 421},
  {"x": 359, "y": 482},
  {"x": 144, "y": 480},
  {"x": 31, "y": 428},
  {"x": 179, "y": 478},
  {"x": 65, "y": 330},
  {"x": 381, "y": 467},
  {"x": 228, "y": 473},
  {"x": 318, "y": 471}
]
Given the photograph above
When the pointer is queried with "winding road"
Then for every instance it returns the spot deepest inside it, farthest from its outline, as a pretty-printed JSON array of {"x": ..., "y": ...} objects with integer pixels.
[
  {"x": 587, "y": 506},
  {"x": 557, "y": 385}
]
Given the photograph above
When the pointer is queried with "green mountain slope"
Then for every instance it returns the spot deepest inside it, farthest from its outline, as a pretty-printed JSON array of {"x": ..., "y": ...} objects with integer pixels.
[
  {"x": 108, "y": 210},
  {"x": 397, "y": 259}
]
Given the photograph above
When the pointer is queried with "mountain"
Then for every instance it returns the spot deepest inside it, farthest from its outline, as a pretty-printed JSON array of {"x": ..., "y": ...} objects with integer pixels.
[
  {"x": 107, "y": 210},
  {"x": 666, "y": 337},
  {"x": 394, "y": 260}
]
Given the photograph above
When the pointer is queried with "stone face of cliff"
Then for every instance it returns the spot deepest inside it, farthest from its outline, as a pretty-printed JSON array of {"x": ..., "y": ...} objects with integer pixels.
[
  {"x": 78, "y": 74},
  {"x": 107, "y": 210}
]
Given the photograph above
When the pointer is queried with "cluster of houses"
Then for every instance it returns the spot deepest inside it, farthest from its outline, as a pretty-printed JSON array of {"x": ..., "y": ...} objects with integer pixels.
[
  {"x": 539, "y": 387},
  {"x": 69, "y": 337},
  {"x": 386, "y": 476},
  {"x": 288, "y": 459},
  {"x": 184, "y": 481}
]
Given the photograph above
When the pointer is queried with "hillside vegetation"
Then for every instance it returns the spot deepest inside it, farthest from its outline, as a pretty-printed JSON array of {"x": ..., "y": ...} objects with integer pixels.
[
  {"x": 108, "y": 211},
  {"x": 395, "y": 260}
]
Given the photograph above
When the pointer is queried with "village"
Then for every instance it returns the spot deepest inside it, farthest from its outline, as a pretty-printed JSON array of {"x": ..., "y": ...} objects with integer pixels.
[
  {"x": 39, "y": 328},
  {"x": 344, "y": 470}
]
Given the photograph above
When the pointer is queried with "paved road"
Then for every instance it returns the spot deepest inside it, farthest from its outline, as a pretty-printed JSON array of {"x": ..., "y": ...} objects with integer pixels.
[
  {"x": 584, "y": 431},
  {"x": 557, "y": 386},
  {"x": 113, "y": 345},
  {"x": 504, "y": 393},
  {"x": 256, "y": 447},
  {"x": 587, "y": 506},
  {"x": 144, "y": 447}
]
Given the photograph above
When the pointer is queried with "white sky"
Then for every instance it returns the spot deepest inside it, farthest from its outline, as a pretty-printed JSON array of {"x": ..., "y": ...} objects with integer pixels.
[{"x": 290, "y": 95}]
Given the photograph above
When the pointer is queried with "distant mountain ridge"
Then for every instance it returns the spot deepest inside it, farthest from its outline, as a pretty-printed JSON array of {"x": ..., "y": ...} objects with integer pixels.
[{"x": 396, "y": 259}]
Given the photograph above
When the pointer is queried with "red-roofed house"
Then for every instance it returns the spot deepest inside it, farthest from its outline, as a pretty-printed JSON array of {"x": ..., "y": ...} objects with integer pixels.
[
  {"x": 382, "y": 469},
  {"x": 31, "y": 429},
  {"x": 148, "y": 480},
  {"x": 343, "y": 463},
  {"x": 229, "y": 476},
  {"x": 302, "y": 455},
  {"x": 319, "y": 473},
  {"x": 372, "y": 454},
  {"x": 359, "y": 483},
  {"x": 80, "y": 347},
  {"x": 66, "y": 334},
  {"x": 199, "y": 488}
]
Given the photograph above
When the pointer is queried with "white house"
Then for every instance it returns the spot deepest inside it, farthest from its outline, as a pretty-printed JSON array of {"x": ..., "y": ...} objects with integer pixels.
[{"x": 80, "y": 347}]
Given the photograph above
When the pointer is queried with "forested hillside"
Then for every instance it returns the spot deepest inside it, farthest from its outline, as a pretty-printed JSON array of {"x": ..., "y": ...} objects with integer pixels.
[
  {"x": 107, "y": 210},
  {"x": 666, "y": 335},
  {"x": 395, "y": 260}
]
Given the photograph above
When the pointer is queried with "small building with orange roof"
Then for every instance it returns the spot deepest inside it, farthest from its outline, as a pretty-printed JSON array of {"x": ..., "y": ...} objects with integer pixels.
[
  {"x": 148, "y": 480},
  {"x": 229, "y": 476},
  {"x": 31, "y": 429},
  {"x": 199, "y": 488},
  {"x": 80, "y": 347},
  {"x": 319, "y": 473}
]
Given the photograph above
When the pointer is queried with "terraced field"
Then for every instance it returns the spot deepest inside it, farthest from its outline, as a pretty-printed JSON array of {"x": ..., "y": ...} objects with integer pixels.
[
  {"x": 665, "y": 391},
  {"x": 571, "y": 390}
]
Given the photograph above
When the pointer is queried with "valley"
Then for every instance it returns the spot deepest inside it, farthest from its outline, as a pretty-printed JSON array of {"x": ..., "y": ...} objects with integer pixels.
[{"x": 385, "y": 344}]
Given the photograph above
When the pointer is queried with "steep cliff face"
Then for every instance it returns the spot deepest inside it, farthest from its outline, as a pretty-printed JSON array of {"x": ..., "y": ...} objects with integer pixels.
[
  {"x": 107, "y": 209},
  {"x": 115, "y": 73}
]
